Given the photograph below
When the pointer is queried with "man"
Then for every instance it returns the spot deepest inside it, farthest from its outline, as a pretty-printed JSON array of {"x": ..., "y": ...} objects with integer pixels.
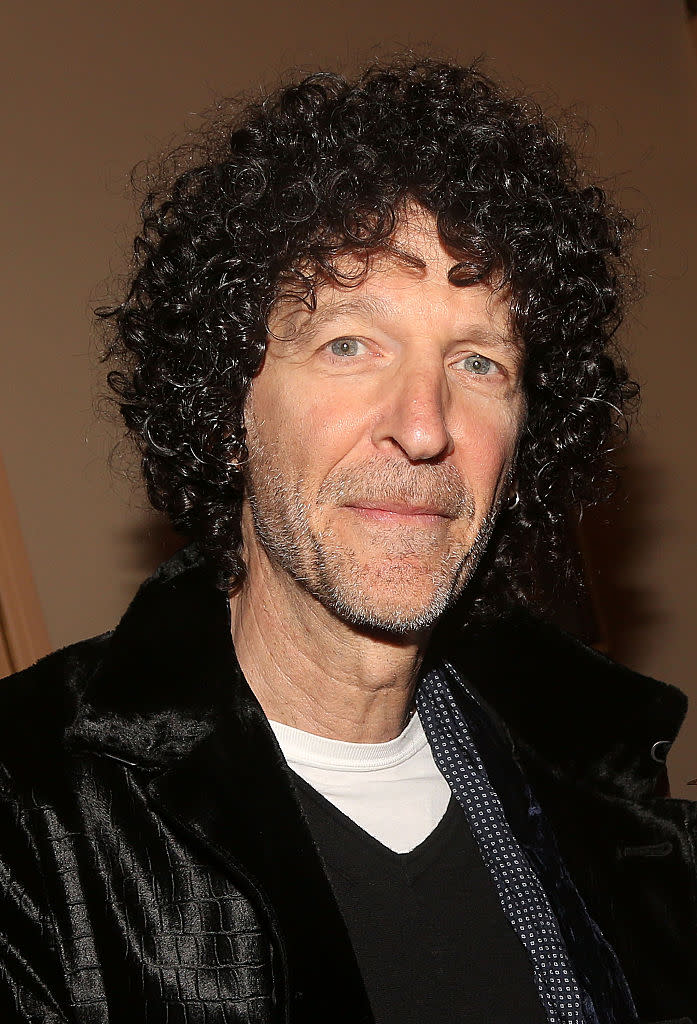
[{"x": 328, "y": 767}]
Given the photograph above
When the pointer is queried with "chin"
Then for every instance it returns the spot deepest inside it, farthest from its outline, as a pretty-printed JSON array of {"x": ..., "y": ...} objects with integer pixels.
[
  {"x": 400, "y": 607},
  {"x": 391, "y": 619}
]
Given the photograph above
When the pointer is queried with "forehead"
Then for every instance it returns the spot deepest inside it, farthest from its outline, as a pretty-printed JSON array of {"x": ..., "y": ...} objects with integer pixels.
[{"x": 409, "y": 284}]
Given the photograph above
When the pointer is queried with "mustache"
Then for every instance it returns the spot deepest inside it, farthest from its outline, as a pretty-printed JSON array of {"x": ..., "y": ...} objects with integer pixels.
[{"x": 437, "y": 487}]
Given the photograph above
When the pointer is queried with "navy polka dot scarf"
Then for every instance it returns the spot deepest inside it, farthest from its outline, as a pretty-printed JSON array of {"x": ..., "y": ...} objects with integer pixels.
[{"x": 577, "y": 974}]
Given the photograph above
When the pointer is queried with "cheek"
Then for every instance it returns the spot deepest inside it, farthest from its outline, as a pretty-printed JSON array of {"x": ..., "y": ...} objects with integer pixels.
[
  {"x": 311, "y": 427},
  {"x": 487, "y": 446},
  {"x": 332, "y": 421}
]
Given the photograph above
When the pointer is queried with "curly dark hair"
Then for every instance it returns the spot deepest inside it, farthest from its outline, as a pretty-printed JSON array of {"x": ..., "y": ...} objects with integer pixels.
[{"x": 267, "y": 197}]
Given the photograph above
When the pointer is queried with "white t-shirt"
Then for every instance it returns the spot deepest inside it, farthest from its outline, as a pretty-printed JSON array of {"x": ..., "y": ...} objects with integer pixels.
[{"x": 393, "y": 790}]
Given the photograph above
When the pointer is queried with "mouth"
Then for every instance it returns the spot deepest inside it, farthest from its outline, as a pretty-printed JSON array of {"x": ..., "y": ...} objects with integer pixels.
[{"x": 399, "y": 512}]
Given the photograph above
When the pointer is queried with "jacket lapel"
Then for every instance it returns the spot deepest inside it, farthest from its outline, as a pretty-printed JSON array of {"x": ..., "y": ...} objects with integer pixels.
[{"x": 170, "y": 696}]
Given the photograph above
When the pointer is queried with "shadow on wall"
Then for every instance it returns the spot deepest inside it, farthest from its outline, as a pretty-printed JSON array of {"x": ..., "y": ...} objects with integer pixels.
[
  {"x": 613, "y": 537},
  {"x": 148, "y": 542}
]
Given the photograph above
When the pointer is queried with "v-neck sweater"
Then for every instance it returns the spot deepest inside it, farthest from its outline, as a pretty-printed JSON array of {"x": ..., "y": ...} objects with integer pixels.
[
  {"x": 427, "y": 928},
  {"x": 393, "y": 790}
]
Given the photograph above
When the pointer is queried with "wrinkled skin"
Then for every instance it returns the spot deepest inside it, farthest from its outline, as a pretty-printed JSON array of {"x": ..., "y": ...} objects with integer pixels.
[{"x": 381, "y": 431}]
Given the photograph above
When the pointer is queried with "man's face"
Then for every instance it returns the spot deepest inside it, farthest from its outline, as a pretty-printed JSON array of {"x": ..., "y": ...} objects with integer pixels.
[{"x": 381, "y": 430}]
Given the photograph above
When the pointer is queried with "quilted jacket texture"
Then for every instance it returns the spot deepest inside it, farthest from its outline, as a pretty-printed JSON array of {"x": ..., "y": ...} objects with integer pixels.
[{"x": 155, "y": 865}]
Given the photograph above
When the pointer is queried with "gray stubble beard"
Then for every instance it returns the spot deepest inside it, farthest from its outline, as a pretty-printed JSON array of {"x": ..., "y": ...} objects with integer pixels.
[{"x": 333, "y": 576}]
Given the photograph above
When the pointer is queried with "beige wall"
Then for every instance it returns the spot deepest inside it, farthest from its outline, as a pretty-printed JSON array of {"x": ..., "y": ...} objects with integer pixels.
[{"x": 95, "y": 87}]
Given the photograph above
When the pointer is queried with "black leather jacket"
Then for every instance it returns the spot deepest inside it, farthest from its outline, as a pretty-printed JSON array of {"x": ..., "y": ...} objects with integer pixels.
[{"x": 155, "y": 865}]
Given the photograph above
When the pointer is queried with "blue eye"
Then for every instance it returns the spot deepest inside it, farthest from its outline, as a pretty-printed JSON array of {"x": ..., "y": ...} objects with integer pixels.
[
  {"x": 345, "y": 347},
  {"x": 478, "y": 364}
]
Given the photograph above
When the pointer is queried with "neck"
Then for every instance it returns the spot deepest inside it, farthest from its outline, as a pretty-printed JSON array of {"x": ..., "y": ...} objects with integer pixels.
[{"x": 311, "y": 670}]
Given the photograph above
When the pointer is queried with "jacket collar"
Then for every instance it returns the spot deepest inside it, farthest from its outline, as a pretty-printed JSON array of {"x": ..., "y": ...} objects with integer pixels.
[
  {"x": 169, "y": 665},
  {"x": 573, "y": 711},
  {"x": 165, "y": 672}
]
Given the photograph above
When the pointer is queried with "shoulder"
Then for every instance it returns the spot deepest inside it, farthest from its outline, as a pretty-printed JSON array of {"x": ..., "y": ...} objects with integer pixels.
[
  {"x": 38, "y": 704},
  {"x": 570, "y": 706},
  {"x": 521, "y": 655}
]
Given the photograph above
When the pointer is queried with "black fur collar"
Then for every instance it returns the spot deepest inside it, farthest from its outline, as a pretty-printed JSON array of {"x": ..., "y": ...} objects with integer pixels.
[
  {"x": 566, "y": 705},
  {"x": 168, "y": 667}
]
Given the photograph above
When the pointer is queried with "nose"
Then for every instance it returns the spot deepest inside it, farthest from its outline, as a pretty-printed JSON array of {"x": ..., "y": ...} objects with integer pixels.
[{"x": 414, "y": 414}]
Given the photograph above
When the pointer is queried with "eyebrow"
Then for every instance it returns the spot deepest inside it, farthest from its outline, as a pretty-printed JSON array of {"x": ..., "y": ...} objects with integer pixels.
[{"x": 377, "y": 308}]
